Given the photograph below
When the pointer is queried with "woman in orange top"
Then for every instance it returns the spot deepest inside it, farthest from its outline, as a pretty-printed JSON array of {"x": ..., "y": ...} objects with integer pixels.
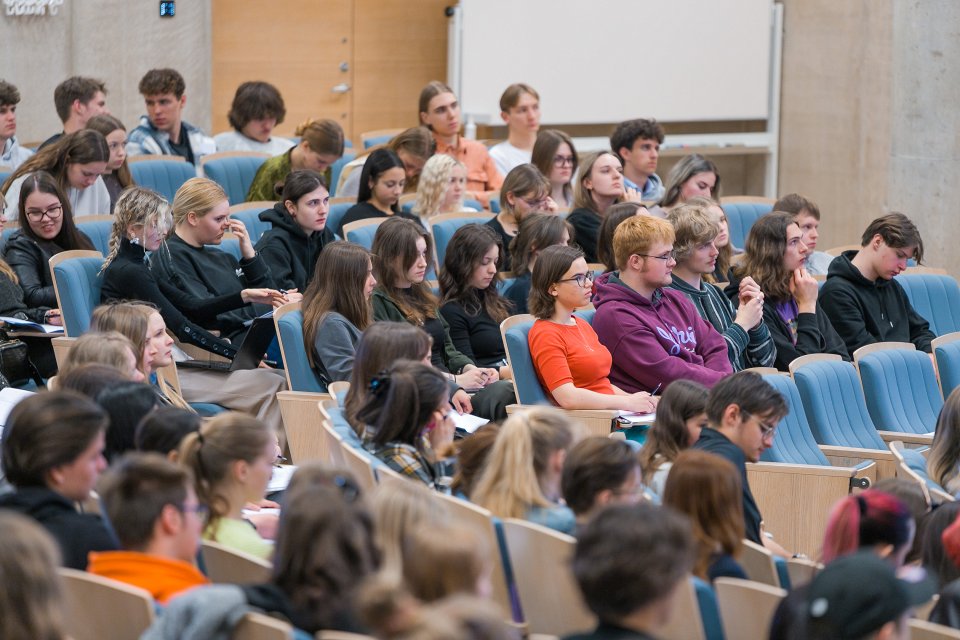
[
  {"x": 571, "y": 363},
  {"x": 440, "y": 112}
]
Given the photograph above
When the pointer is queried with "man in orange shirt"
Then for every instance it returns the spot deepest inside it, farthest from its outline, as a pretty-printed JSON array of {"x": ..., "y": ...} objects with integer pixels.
[{"x": 153, "y": 508}]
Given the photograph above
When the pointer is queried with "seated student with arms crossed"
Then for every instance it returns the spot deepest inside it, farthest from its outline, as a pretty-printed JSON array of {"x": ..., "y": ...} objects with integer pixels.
[
  {"x": 655, "y": 333},
  {"x": 749, "y": 343},
  {"x": 863, "y": 301},
  {"x": 774, "y": 257}
]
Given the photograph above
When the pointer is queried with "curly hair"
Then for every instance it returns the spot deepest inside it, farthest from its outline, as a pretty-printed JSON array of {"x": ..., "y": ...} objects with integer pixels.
[
  {"x": 433, "y": 183},
  {"x": 763, "y": 255}
]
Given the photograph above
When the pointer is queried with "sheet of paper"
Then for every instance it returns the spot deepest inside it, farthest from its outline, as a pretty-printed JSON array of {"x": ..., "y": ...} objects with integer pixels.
[
  {"x": 467, "y": 422},
  {"x": 281, "y": 477}
]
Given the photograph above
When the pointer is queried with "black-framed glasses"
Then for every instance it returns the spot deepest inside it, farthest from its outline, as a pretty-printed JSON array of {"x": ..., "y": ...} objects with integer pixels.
[
  {"x": 199, "y": 509},
  {"x": 542, "y": 203},
  {"x": 562, "y": 161},
  {"x": 581, "y": 278},
  {"x": 766, "y": 430},
  {"x": 53, "y": 213},
  {"x": 665, "y": 257}
]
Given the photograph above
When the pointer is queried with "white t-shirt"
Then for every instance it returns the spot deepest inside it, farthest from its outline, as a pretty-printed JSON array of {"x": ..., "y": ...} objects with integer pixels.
[
  {"x": 92, "y": 201},
  {"x": 236, "y": 141},
  {"x": 508, "y": 156}
]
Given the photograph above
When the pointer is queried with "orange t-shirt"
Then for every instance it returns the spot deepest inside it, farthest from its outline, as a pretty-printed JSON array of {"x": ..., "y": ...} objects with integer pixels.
[
  {"x": 162, "y": 577},
  {"x": 482, "y": 172},
  {"x": 570, "y": 353}
]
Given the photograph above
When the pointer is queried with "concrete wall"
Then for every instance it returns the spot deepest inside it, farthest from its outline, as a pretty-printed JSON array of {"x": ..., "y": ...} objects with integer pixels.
[{"x": 114, "y": 40}]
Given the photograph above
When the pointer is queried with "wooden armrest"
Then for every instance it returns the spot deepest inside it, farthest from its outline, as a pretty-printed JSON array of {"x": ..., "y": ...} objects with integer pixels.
[
  {"x": 853, "y": 452},
  {"x": 596, "y": 422},
  {"x": 907, "y": 438},
  {"x": 806, "y": 469}
]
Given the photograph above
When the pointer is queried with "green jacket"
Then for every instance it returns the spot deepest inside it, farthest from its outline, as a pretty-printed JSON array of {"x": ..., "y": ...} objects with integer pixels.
[
  {"x": 384, "y": 308},
  {"x": 271, "y": 174}
]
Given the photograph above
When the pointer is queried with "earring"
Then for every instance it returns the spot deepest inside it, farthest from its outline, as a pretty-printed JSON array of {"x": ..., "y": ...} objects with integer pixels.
[{"x": 134, "y": 240}]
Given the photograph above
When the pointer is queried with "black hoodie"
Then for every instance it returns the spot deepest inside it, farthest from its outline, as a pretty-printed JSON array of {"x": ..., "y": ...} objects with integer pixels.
[
  {"x": 288, "y": 251},
  {"x": 865, "y": 312},
  {"x": 77, "y": 534}
]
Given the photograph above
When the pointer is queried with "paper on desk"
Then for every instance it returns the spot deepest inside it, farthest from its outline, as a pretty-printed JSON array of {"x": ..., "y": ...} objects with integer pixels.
[
  {"x": 25, "y": 325},
  {"x": 9, "y": 398},
  {"x": 468, "y": 422},
  {"x": 632, "y": 417},
  {"x": 281, "y": 477}
]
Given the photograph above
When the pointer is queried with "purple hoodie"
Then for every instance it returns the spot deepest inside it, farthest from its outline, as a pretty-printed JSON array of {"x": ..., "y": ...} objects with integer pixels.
[{"x": 656, "y": 342}]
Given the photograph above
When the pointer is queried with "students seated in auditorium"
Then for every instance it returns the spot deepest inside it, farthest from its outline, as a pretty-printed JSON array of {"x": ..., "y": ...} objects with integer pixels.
[
  {"x": 446, "y": 560},
  {"x": 441, "y": 186},
  {"x": 117, "y": 176},
  {"x": 163, "y": 131},
  {"x": 571, "y": 363},
  {"x": 256, "y": 109},
  {"x": 77, "y": 99},
  {"x": 523, "y": 472},
  {"x": 299, "y": 233},
  {"x": 49, "y": 230},
  {"x": 125, "y": 405},
  {"x": 774, "y": 257},
  {"x": 536, "y": 232},
  {"x": 524, "y": 191},
  {"x": 321, "y": 144},
  {"x": 12, "y": 155},
  {"x": 232, "y": 458},
  {"x": 681, "y": 415},
  {"x": 381, "y": 185},
  {"x": 104, "y": 347},
  {"x": 725, "y": 248},
  {"x": 556, "y": 158},
  {"x": 871, "y": 522},
  {"x": 141, "y": 220},
  {"x": 52, "y": 454},
  {"x": 864, "y": 302},
  {"x": 520, "y": 111},
  {"x": 742, "y": 416},
  {"x": 75, "y": 162},
  {"x": 414, "y": 146},
  {"x": 153, "y": 509},
  {"x": 29, "y": 559},
  {"x": 401, "y": 249},
  {"x": 469, "y": 299},
  {"x": 749, "y": 343},
  {"x": 661, "y": 556},
  {"x": 162, "y": 430},
  {"x": 694, "y": 175},
  {"x": 407, "y": 426},
  {"x": 599, "y": 186},
  {"x": 655, "y": 333},
  {"x": 706, "y": 488},
  {"x": 336, "y": 309},
  {"x": 599, "y": 472},
  {"x": 472, "y": 455},
  {"x": 615, "y": 215},
  {"x": 201, "y": 215},
  {"x": 440, "y": 112},
  {"x": 943, "y": 462},
  {"x": 807, "y": 215},
  {"x": 398, "y": 509},
  {"x": 637, "y": 144}
]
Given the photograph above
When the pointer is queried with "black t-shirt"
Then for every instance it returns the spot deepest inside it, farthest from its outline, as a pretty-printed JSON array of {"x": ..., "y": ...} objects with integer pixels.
[
  {"x": 182, "y": 148},
  {"x": 586, "y": 225},
  {"x": 475, "y": 336},
  {"x": 505, "y": 239},
  {"x": 434, "y": 328},
  {"x": 712, "y": 441}
]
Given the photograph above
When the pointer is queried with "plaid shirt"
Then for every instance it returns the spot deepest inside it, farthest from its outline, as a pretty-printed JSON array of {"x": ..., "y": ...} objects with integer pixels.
[{"x": 407, "y": 460}]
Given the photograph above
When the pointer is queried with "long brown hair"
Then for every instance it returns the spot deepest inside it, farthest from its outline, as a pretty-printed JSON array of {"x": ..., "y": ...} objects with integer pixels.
[
  {"x": 945, "y": 450},
  {"x": 686, "y": 168},
  {"x": 706, "y": 488},
  {"x": 80, "y": 147},
  {"x": 107, "y": 124},
  {"x": 582, "y": 196},
  {"x": 337, "y": 285},
  {"x": 763, "y": 255},
  {"x": 70, "y": 237},
  {"x": 464, "y": 254},
  {"x": 682, "y": 400},
  {"x": 544, "y": 150},
  {"x": 536, "y": 232},
  {"x": 395, "y": 251}
]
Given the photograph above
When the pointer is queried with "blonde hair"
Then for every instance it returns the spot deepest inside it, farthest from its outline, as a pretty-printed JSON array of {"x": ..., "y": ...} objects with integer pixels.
[
  {"x": 130, "y": 320},
  {"x": 107, "y": 347},
  {"x": 322, "y": 136},
  {"x": 196, "y": 195},
  {"x": 637, "y": 234},
  {"x": 32, "y": 601},
  {"x": 510, "y": 484},
  {"x": 434, "y": 180},
  {"x": 211, "y": 451},
  {"x": 397, "y": 509},
  {"x": 693, "y": 226},
  {"x": 137, "y": 206},
  {"x": 440, "y": 561}
]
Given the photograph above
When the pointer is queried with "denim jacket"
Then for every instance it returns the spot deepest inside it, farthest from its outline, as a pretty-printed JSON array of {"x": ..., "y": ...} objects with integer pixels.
[{"x": 148, "y": 140}]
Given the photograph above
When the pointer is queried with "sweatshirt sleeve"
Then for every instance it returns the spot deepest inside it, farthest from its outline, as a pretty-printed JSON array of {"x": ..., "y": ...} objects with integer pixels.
[
  {"x": 761, "y": 351},
  {"x": 712, "y": 346},
  {"x": 276, "y": 256},
  {"x": 459, "y": 331},
  {"x": 454, "y": 359},
  {"x": 846, "y": 315},
  {"x": 335, "y": 348}
]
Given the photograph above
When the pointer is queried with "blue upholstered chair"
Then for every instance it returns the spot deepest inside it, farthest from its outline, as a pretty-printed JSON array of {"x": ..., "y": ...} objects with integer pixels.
[
  {"x": 163, "y": 174},
  {"x": 249, "y": 214},
  {"x": 97, "y": 229},
  {"x": 337, "y": 168},
  {"x": 407, "y": 207},
  {"x": 76, "y": 282},
  {"x": 362, "y": 232},
  {"x": 234, "y": 171},
  {"x": 445, "y": 225},
  {"x": 901, "y": 391},
  {"x": 337, "y": 211},
  {"x": 946, "y": 348},
  {"x": 742, "y": 213},
  {"x": 300, "y": 376},
  {"x": 381, "y": 136},
  {"x": 935, "y": 297},
  {"x": 794, "y": 442}
]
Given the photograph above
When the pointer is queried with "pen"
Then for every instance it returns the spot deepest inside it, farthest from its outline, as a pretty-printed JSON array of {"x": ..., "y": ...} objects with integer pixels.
[{"x": 657, "y": 389}]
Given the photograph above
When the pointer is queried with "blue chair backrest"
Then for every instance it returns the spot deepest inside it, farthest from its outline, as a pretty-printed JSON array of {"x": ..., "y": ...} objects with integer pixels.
[
  {"x": 363, "y": 235},
  {"x": 79, "y": 287},
  {"x": 234, "y": 173},
  {"x": 901, "y": 390},
  {"x": 163, "y": 176},
  {"x": 834, "y": 404},
  {"x": 495, "y": 203},
  {"x": 529, "y": 390},
  {"x": 948, "y": 364},
  {"x": 741, "y": 216},
  {"x": 337, "y": 211},
  {"x": 251, "y": 220},
  {"x": 504, "y": 285},
  {"x": 443, "y": 231},
  {"x": 302, "y": 377},
  {"x": 337, "y": 168},
  {"x": 709, "y": 609},
  {"x": 794, "y": 443},
  {"x": 4, "y": 175},
  {"x": 936, "y": 298},
  {"x": 99, "y": 233},
  {"x": 375, "y": 140}
]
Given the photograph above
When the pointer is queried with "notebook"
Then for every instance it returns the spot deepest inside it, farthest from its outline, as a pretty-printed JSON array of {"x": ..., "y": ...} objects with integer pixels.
[{"x": 250, "y": 352}]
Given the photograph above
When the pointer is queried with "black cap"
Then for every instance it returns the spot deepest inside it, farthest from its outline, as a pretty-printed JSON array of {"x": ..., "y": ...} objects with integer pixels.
[{"x": 857, "y": 594}]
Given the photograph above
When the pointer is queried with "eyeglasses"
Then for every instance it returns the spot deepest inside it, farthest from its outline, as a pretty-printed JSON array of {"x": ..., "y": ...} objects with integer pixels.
[
  {"x": 537, "y": 204},
  {"x": 53, "y": 213},
  {"x": 199, "y": 509},
  {"x": 562, "y": 161},
  {"x": 665, "y": 257},
  {"x": 767, "y": 431},
  {"x": 581, "y": 278}
]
